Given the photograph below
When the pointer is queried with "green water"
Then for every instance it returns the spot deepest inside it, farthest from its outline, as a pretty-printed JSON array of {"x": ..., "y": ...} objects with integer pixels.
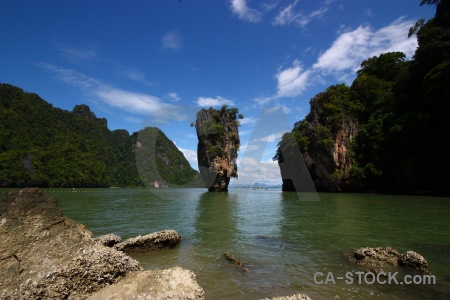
[{"x": 284, "y": 239}]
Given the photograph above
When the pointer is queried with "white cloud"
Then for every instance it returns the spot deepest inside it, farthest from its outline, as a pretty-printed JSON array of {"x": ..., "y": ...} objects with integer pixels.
[
  {"x": 137, "y": 76},
  {"x": 218, "y": 101},
  {"x": 288, "y": 15},
  {"x": 352, "y": 47},
  {"x": 344, "y": 57},
  {"x": 129, "y": 101},
  {"x": 250, "y": 170},
  {"x": 126, "y": 100},
  {"x": 191, "y": 156},
  {"x": 245, "y": 13},
  {"x": 292, "y": 81},
  {"x": 273, "y": 137},
  {"x": 77, "y": 54},
  {"x": 71, "y": 77},
  {"x": 172, "y": 41},
  {"x": 173, "y": 96},
  {"x": 245, "y": 121}
]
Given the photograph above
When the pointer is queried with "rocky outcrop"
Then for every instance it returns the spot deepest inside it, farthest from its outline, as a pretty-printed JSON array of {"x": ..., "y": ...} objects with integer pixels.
[
  {"x": 377, "y": 259},
  {"x": 174, "y": 283},
  {"x": 44, "y": 255},
  {"x": 164, "y": 239},
  {"x": 324, "y": 138},
  {"x": 218, "y": 144}
]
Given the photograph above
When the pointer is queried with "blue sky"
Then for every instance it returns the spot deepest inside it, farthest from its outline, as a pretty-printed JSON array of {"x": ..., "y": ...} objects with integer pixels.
[{"x": 155, "y": 63}]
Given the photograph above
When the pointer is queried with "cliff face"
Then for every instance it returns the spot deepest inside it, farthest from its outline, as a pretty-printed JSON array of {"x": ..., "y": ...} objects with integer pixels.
[
  {"x": 218, "y": 143},
  {"x": 324, "y": 138}
]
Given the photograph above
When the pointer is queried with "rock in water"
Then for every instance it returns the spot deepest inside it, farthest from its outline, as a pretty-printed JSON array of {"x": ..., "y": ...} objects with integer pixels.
[
  {"x": 381, "y": 257},
  {"x": 218, "y": 144},
  {"x": 44, "y": 255},
  {"x": 164, "y": 239}
]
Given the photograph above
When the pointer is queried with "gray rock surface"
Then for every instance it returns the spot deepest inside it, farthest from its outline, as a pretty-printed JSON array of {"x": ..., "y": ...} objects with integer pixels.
[
  {"x": 377, "y": 259},
  {"x": 44, "y": 255},
  {"x": 164, "y": 239},
  {"x": 415, "y": 261},
  {"x": 174, "y": 283},
  {"x": 108, "y": 240}
]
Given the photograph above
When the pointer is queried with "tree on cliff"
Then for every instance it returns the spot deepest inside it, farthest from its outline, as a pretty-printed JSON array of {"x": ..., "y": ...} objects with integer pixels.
[
  {"x": 401, "y": 109},
  {"x": 218, "y": 144}
]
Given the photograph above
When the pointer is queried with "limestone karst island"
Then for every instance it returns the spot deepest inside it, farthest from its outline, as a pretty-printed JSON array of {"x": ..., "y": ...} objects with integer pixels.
[{"x": 218, "y": 144}]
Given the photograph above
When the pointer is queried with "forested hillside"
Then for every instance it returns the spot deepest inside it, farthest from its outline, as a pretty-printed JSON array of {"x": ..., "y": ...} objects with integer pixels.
[
  {"x": 44, "y": 146},
  {"x": 389, "y": 131}
]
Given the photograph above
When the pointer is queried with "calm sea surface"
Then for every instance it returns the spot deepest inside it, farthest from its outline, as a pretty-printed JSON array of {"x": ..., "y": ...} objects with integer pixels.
[{"x": 284, "y": 237}]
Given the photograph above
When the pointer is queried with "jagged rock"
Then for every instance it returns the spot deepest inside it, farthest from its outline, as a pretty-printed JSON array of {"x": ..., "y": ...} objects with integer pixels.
[
  {"x": 379, "y": 258},
  {"x": 218, "y": 143},
  {"x": 414, "y": 261},
  {"x": 164, "y": 239},
  {"x": 293, "y": 297},
  {"x": 108, "y": 240},
  {"x": 174, "y": 283},
  {"x": 44, "y": 255}
]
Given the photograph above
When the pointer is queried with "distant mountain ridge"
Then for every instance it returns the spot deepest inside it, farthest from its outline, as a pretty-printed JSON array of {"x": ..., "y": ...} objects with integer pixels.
[{"x": 44, "y": 146}]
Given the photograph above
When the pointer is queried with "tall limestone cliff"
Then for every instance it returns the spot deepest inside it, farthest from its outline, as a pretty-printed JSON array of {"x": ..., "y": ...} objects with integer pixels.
[
  {"x": 218, "y": 144},
  {"x": 324, "y": 137}
]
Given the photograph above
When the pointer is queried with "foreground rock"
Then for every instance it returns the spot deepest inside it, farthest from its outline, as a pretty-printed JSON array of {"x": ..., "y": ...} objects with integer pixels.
[
  {"x": 174, "y": 283},
  {"x": 44, "y": 255},
  {"x": 164, "y": 239},
  {"x": 218, "y": 143},
  {"x": 377, "y": 259}
]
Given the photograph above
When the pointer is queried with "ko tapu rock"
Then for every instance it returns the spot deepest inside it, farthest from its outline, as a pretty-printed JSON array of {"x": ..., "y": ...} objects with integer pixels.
[{"x": 218, "y": 144}]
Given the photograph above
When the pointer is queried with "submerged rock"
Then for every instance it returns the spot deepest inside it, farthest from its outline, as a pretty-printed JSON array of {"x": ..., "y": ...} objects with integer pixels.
[
  {"x": 164, "y": 239},
  {"x": 218, "y": 144},
  {"x": 47, "y": 256},
  {"x": 174, "y": 283},
  {"x": 379, "y": 258},
  {"x": 237, "y": 262}
]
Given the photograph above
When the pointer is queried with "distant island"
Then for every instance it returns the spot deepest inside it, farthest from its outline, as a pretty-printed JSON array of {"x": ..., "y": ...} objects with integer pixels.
[
  {"x": 389, "y": 130},
  {"x": 44, "y": 146}
]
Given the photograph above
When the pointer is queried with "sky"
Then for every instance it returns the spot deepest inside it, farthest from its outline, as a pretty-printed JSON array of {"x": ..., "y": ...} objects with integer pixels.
[{"x": 156, "y": 63}]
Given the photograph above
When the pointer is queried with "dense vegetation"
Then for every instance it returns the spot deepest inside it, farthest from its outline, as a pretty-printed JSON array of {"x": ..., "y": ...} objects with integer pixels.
[
  {"x": 45, "y": 146},
  {"x": 219, "y": 127},
  {"x": 401, "y": 110}
]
